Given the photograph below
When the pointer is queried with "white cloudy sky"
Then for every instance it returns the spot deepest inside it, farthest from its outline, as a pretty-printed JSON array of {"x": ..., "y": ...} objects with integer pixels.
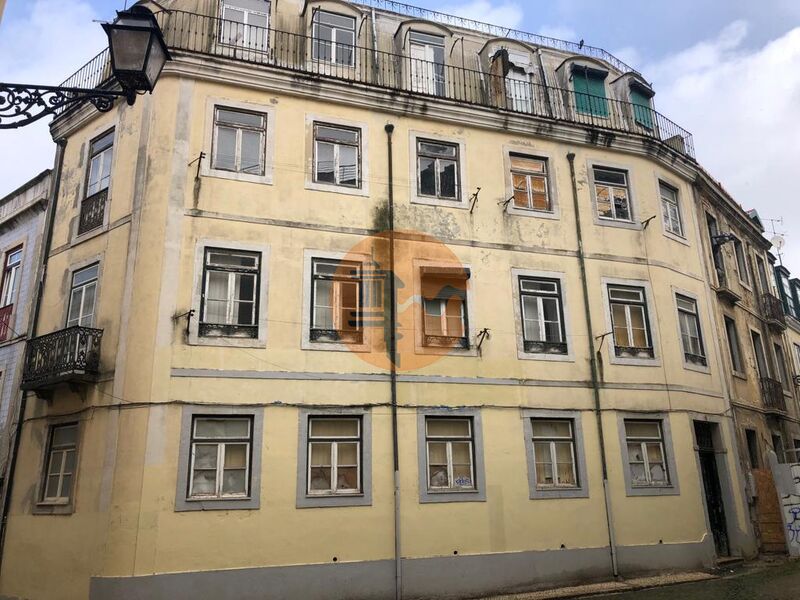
[{"x": 726, "y": 70}]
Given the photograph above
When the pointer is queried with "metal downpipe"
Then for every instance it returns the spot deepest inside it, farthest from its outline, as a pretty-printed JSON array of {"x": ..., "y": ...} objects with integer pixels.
[{"x": 593, "y": 362}]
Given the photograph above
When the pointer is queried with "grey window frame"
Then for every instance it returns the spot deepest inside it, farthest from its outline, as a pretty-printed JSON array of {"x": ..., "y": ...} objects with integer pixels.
[
  {"x": 560, "y": 347},
  {"x": 221, "y": 444},
  {"x": 579, "y": 452},
  {"x": 673, "y": 488},
  {"x": 94, "y": 153},
  {"x": 244, "y": 26},
  {"x": 183, "y": 501},
  {"x": 432, "y": 496},
  {"x": 337, "y": 144},
  {"x": 782, "y": 368},
  {"x": 362, "y": 498},
  {"x": 61, "y": 500}
]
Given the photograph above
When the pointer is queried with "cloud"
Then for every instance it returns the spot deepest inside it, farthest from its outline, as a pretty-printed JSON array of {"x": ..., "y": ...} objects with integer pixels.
[
  {"x": 741, "y": 106},
  {"x": 37, "y": 48},
  {"x": 505, "y": 14}
]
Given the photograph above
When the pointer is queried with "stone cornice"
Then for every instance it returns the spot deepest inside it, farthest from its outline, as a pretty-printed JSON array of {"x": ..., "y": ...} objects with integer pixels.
[{"x": 274, "y": 80}]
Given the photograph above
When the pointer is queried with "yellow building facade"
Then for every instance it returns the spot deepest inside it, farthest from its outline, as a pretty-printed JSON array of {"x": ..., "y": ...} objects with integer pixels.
[{"x": 211, "y": 406}]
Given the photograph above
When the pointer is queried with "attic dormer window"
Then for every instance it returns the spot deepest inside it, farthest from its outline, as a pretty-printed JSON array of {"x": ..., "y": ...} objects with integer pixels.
[
  {"x": 590, "y": 91},
  {"x": 427, "y": 63},
  {"x": 333, "y": 38},
  {"x": 245, "y": 23},
  {"x": 642, "y": 105},
  {"x": 518, "y": 83}
]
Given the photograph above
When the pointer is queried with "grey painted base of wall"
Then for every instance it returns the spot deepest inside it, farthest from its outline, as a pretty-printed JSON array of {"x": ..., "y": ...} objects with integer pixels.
[{"x": 442, "y": 577}]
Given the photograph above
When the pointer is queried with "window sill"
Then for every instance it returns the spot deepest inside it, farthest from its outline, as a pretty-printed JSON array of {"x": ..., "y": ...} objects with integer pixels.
[
  {"x": 265, "y": 179},
  {"x": 606, "y": 222},
  {"x": 633, "y": 361},
  {"x": 553, "y": 215},
  {"x": 545, "y": 356},
  {"x": 434, "y": 496},
  {"x": 88, "y": 235},
  {"x": 201, "y": 504},
  {"x": 228, "y": 342},
  {"x": 697, "y": 368},
  {"x": 459, "y": 203},
  {"x": 676, "y": 238},
  {"x": 333, "y": 500},
  {"x": 332, "y": 188},
  {"x": 53, "y": 508},
  {"x": 654, "y": 490},
  {"x": 559, "y": 493},
  {"x": 739, "y": 375}
]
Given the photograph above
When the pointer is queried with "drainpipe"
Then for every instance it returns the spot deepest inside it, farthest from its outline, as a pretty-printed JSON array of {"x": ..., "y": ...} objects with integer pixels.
[
  {"x": 32, "y": 323},
  {"x": 593, "y": 361},
  {"x": 398, "y": 575}
]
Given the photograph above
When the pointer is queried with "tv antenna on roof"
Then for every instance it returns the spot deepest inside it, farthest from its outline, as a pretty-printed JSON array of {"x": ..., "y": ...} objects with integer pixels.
[{"x": 778, "y": 240}]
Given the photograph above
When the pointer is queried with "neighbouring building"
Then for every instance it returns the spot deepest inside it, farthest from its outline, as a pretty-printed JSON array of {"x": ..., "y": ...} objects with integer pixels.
[
  {"x": 22, "y": 215},
  {"x": 752, "y": 324},
  {"x": 368, "y": 301}
]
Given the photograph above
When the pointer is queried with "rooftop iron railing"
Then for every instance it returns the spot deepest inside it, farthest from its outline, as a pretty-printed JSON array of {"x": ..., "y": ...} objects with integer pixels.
[
  {"x": 497, "y": 31},
  {"x": 316, "y": 58}
]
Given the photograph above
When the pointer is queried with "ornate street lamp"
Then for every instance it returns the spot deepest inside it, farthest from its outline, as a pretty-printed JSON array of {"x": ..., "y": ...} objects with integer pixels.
[{"x": 138, "y": 54}]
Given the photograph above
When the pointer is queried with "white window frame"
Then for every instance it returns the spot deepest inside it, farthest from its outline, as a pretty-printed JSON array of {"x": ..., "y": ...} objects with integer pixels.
[
  {"x": 334, "y": 441},
  {"x": 99, "y": 158},
  {"x": 671, "y": 215},
  {"x": 336, "y": 151},
  {"x": 363, "y": 189},
  {"x": 540, "y": 297},
  {"x": 672, "y": 488},
  {"x": 448, "y": 441},
  {"x": 461, "y": 201},
  {"x": 552, "y": 176},
  {"x": 702, "y": 362},
  {"x": 522, "y": 354},
  {"x": 262, "y": 294},
  {"x": 222, "y": 444},
  {"x": 628, "y": 304},
  {"x": 644, "y": 442},
  {"x": 83, "y": 287},
  {"x": 64, "y": 450},
  {"x": 231, "y": 301},
  {"x": 529, "y": 176},
  {"x": 652, "y": 315},
  {"x": 239, "y": 129},
  {"x": 184, "y": 502},
  {"x": 334, "y": 43},
  {"x": 309, "y": 256},
  {"x": 240, "y": 42},
  {"x": 437, "y": 170},
  {"x": 207, "y": 168},
  {"x": 601, "y": 163},
  {"x": 551, "y": 442},
  {"x": 421, "y": 56},
  {"x": 11, "y": 276},
  {"x": 740, "y": 258}
]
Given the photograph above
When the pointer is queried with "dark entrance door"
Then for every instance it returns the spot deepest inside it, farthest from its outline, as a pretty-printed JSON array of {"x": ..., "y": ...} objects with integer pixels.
[{"x": 711, "y": 486}]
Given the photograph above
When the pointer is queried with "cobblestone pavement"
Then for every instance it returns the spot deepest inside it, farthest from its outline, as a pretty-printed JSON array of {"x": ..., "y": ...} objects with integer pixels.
[{"x": 770, "y": 583}]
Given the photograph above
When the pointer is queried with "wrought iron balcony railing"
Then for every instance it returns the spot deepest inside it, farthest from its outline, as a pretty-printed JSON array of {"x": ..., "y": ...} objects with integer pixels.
[
  {"x": 200, "y": 34},
  {"x": 92, "y": 212},
  {"x": 772, "y": 395},
  {"x": 772, "y": 311},
  {"x": 71, "y": 355}
]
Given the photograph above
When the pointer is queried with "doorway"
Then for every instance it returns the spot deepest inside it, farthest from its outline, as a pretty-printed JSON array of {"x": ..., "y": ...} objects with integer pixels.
[{"x": 715, "y": 506}]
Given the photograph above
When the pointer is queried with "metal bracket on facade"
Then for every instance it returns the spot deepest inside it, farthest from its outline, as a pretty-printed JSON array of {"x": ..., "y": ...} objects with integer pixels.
[
  {"x": 22, "y": 104},
  {"x": 602, "y": 339},
  {"x": 505, "y": 203},
  {"x": 483, "y": 334},
  {"x": 188, "y": 314},
  {"x": 474, "y": 200},
  {"x": 199, "y": 161},
  {"x": 646, "y": 222}
]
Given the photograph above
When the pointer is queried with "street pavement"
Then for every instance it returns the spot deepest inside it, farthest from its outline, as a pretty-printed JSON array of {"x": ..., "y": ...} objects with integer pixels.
[{"x": 771, "y": 583}]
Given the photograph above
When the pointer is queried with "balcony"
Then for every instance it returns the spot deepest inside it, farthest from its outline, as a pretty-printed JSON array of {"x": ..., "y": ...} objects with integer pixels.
[
  {"x": 71, "y": 355},
  {"x": 5, "y": 322},
  {"x": 92, "y": 212},
  {"x": 364, "y": 66},
  {"x": 724, "y": 290},
  {"x": 772, "y": 311},
  {"x": 772, "y": 395}
]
